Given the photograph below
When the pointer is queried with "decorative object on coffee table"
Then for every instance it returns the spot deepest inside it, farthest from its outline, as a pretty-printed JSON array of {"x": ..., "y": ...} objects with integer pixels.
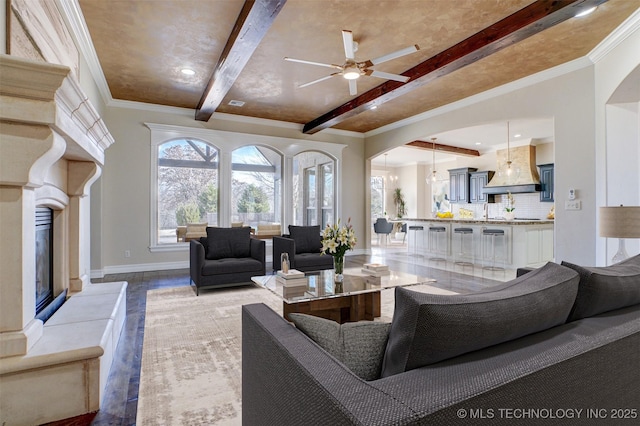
[
  {"x": 336, "y": 240},
  {"x": 284, "y": 262}
]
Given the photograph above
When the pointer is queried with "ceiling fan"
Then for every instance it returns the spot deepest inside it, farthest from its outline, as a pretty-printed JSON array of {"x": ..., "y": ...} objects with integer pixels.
[{"x": 351, "y": 69}]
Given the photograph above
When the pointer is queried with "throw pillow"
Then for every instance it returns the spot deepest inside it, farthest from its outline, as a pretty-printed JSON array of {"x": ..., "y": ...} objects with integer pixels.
[
  {"x": 428, "y": 328},
  {"x": 604, "y": 289},
  {"x": 358, "y": 345},
  {"x": 307, "y": 238},
  {"x": 228, "y": 243}
]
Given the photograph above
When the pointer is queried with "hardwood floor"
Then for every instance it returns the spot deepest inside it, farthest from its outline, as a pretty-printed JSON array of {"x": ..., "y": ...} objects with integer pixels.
[{"x": 119, "y": 405}]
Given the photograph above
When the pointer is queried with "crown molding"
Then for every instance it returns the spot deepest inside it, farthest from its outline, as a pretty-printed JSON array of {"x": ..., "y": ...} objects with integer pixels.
[
  {"x": 280, "y": 124},
  {"x": 72, "y": 15},
  {"x": 143, "y": 106},
  {"x": 617, "y": 36}
]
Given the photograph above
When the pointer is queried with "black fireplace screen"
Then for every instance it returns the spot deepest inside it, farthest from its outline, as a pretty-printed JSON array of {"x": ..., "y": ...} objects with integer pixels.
[{"x": 44, "y": 257}]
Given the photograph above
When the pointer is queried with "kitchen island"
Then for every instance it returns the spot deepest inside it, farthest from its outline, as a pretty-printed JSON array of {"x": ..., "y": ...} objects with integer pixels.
[{"x": 526, "y": 242}]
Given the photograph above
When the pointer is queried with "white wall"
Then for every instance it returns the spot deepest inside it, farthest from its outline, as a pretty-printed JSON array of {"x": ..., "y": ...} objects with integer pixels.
[{"x": 617, "y": 126}]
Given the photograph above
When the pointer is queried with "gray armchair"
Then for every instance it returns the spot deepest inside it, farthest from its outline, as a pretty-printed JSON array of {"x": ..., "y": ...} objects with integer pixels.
[
  {"x": 303, "y": 244},
  {"x": 226, "y": 257}
]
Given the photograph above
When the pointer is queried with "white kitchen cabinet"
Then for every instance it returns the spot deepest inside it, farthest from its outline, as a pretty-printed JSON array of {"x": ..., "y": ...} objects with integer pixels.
[{"x": 539, "y": 245}]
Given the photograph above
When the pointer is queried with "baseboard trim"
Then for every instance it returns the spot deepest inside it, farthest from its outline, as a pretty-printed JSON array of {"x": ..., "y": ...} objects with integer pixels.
[{"x": 141, "y": 267}]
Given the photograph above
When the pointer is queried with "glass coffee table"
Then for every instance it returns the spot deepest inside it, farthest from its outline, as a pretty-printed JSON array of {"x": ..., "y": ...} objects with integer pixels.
[{"x": 356, "y": 298}]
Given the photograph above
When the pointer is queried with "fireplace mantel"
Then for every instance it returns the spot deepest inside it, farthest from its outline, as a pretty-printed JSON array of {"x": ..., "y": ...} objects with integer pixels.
[{"x": 52, "y": 149}]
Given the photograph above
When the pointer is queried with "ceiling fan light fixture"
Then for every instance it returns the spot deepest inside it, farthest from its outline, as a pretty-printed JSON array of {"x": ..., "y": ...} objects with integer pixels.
[
  {"x": 351, "y": 74},
  {"x": 351, "y": 70}
]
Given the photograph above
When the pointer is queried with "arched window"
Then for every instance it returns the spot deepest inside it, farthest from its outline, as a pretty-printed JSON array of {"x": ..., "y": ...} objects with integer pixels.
[
  {"x": 313, "y": 189},
  {"x": 256, "y": 186},
  {"x": 187, "y": 187}
]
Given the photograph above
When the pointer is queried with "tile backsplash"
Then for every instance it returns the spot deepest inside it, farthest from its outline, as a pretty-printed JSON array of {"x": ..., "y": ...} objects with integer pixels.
[{"x": 526, "y": 206}]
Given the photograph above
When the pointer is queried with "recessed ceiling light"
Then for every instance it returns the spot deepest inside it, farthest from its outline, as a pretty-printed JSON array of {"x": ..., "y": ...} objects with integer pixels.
[
  {"x": 478, "y": 143},
  {"x": 586, "y": 12},
  {"x": 517, "y": 135},
  {"x": 187, "y": 71},
  {"x": 374, "y": 107},
  {"x": 236, "y": 103}
]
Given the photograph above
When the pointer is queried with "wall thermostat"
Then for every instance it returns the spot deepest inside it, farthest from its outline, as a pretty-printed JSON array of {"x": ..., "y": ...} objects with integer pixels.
[{"x": 572, "y": 194}]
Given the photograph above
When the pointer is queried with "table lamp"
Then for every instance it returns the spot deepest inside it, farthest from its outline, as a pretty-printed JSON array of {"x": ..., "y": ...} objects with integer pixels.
[{"x": 620, "y": 222}]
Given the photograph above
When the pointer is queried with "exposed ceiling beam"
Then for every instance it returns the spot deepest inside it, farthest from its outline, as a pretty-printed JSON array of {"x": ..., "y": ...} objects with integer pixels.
[
  {"x": 251, "y": 26},
  {"x": 535, "y": 18},
  {"x": 444, "y": 148}
]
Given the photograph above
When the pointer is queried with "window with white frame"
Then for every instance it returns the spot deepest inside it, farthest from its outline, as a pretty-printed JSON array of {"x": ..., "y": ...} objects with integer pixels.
[
  {"x": 256, "y": 186},
  {"x": 218, "y": 178},
  {"x": 187, "y": 187},
  {"x": 377, "y": 197},
  {"x": 313, "y": 189}
]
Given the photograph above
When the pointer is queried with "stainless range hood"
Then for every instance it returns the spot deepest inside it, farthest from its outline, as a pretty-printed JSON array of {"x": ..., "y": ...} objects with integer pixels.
[{"x": 524, "y": 174}]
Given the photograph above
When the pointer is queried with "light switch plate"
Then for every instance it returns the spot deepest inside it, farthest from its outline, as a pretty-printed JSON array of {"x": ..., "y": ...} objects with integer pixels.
[{"x": 572, "y": 205}]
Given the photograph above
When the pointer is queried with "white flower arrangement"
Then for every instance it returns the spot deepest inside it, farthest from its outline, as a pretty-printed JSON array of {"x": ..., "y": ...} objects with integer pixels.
[{"x": 336, "y": 240}]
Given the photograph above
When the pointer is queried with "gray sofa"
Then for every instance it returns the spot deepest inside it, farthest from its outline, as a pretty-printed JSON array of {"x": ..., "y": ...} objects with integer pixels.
[
  {"x": 503, "y": 355},
  {"x": 226, "y": 257}
]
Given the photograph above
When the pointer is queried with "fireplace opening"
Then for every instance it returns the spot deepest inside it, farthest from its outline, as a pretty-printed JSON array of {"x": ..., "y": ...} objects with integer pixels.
[{"x": 44, "y": 257}]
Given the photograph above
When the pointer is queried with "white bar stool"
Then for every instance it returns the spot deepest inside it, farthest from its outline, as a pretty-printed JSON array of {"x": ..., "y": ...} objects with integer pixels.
[
  {"x": 434, "y": 242},
  {"x": 415, "y": 229},
  {"x": 493, "y": 234},
  {"x": 461, "y": 254}
]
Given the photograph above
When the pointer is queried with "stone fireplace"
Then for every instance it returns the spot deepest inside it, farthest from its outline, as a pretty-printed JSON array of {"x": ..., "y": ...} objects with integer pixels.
[{"x": 52, "y": 144}]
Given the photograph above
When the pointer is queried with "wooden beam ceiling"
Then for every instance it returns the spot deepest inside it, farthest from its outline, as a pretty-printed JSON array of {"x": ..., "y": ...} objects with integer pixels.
[
  {"x": 531, "y": 20},
  {"x": 251, "y": 26},
  {"x": 444, "y": 148}
]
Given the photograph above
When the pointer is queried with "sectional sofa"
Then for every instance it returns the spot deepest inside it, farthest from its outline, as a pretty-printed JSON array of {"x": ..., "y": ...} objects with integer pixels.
[{"x": 558, "y": 345}]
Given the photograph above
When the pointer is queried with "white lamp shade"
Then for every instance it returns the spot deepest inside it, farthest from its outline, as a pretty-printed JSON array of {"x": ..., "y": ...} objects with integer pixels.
[{"x": 620, "y": 222}]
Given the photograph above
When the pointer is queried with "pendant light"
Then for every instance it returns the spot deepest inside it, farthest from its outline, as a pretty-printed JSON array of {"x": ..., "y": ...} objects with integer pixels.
[
  {"x": 391, "y": 178},
  {"x": 509, "y": 171},
  {"x": 434, "y": 173}
]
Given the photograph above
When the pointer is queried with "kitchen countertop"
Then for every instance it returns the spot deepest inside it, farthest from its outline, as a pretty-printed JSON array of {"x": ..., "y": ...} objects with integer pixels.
[{"x": 479, "y": 221}]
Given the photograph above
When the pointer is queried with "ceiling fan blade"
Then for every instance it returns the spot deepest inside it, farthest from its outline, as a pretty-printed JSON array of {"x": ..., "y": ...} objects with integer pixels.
[
  {"x": 394, "y": 55},
  {"x": 318, "y": 80},
  {"x": 302, "y": 61},
  {"x": 347, "y": 39},
  {"x": 353, "y": 87},
  {"x": 387, "y": 76}
]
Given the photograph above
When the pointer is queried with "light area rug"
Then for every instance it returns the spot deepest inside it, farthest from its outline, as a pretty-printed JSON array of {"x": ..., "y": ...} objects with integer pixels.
[{"x": 191, "y": 355}]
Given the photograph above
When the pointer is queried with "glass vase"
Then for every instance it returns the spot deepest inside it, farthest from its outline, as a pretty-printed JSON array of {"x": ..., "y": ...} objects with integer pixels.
[{"x": 338, "y": 263}]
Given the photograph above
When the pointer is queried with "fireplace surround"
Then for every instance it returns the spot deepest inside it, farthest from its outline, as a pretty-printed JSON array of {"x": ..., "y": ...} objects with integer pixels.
[{"x": 52, "y": 143}]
